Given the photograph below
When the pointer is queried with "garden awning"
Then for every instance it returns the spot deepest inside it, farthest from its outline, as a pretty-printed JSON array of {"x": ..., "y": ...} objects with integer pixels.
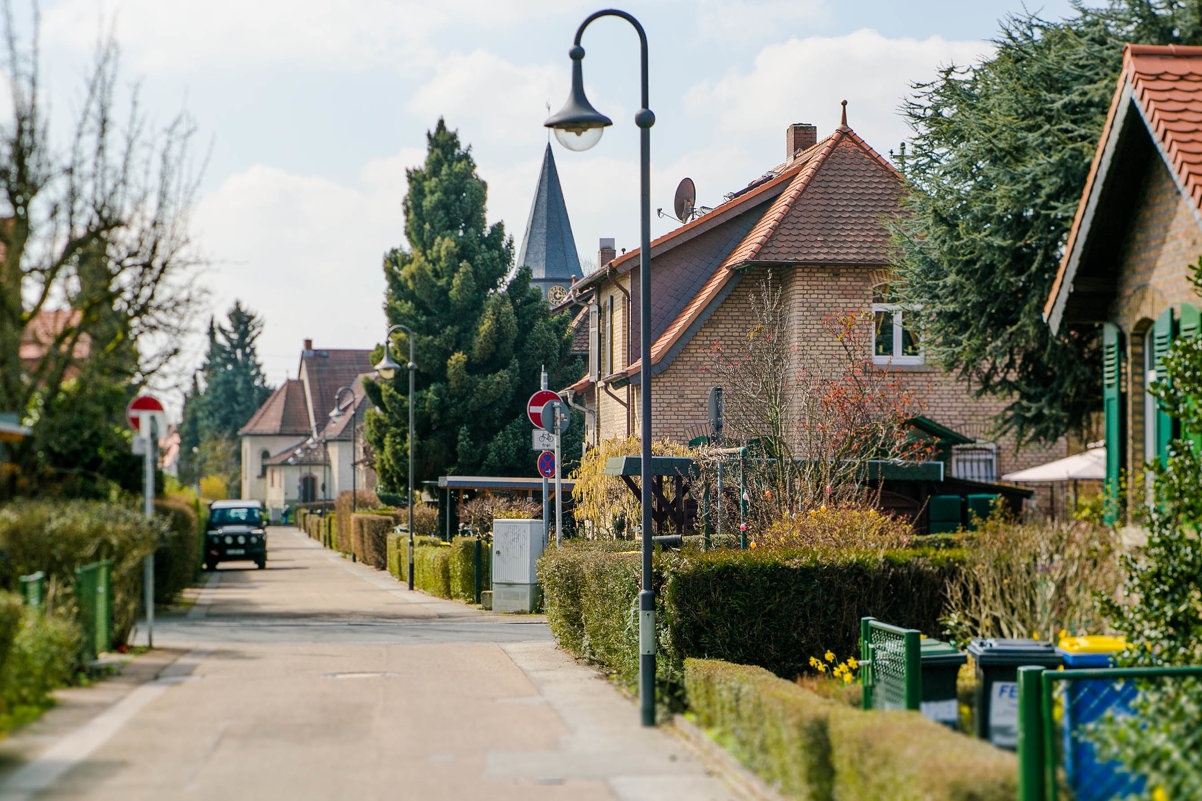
[{"x": 1090, "y": 465}]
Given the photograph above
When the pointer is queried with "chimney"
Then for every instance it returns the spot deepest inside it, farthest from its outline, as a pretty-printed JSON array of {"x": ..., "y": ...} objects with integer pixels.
[
  {"x": 799, "y": 136},
  {"x": 308, "y": 345},
  {"x": 606, "y": 253}
]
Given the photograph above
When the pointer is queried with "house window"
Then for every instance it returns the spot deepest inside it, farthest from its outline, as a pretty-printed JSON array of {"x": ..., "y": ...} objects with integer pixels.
[
  {"x": 895, "y": 336},
  {"x": 263, "y": 457},
  {"x": 975, "y": 462}
]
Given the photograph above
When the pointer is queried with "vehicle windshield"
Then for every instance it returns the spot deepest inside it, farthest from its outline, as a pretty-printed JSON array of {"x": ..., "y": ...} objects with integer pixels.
[{"x": 236, "y": 515}]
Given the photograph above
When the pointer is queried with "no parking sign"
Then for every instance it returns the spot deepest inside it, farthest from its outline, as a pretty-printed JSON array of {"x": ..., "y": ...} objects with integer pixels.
[{"x": 546, "y": 464}]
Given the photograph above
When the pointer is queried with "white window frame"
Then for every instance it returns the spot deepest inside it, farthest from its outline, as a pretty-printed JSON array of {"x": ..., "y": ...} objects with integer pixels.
[
  {"x": 899, "y": 313},
  {"x": 973, "y": 453}
]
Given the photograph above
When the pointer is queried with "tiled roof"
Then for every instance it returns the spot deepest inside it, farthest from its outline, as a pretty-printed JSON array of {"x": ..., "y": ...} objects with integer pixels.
[
  {"x": 1164, "y": 84},
  {"x": 302, "y": 452},
  {"x": 828, "y": 212},
  {"x": 42, "y": 329},
  {"x": 324, "y": 371},
  {"x": 284, "y": 412}
]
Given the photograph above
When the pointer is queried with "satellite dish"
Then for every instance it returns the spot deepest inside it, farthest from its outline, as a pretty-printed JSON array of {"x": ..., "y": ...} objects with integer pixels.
[{"x": 686, "y": 196}]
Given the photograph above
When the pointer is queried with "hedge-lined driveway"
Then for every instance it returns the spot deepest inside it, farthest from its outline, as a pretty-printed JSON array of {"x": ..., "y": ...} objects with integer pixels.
[{"x": 321, "y": 679}]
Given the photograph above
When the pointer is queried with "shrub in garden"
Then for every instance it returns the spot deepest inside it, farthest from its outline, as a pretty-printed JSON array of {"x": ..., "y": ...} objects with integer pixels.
[
  {"x": 425, "y": 520},
  {"x": 479, "y": 513},
  {"x": 1032, "y": 579},
  {"x": 178, "y": 553},
  {"x": 462, "y": 567},
  {"x": 604, "y": 507},
  {"x": 858, "y": 527},
  {"x": 432, "y": 568},
  {"x": 371, "y": 539},
  {"x": 58, "y": 537},
  {"x": 43, "y": 656},
  {"x": 365, "y": 501}
]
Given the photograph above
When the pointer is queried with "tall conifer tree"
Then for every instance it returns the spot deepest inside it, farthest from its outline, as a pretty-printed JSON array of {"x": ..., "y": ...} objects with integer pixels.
[{"x": 480, "y": 339}]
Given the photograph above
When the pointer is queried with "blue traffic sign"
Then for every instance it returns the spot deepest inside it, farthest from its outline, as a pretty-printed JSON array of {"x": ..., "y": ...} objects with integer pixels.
[{"x": 546, "y": 464}]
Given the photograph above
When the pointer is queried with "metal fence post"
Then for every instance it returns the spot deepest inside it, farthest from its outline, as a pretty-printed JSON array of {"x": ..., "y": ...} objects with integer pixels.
[
  {"x": 913, "y": 657},
  {"x": 104, "y": 606},
  {"x": 1030, "y": 735},
  {"x": 866, "y": 662},
  {"x": 33, "y": 590},
  {"x": 85, "y": 596}
]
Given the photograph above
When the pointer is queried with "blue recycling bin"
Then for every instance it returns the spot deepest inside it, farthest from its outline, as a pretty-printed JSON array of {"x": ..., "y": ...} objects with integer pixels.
[{"x": 1087, "y": 700}]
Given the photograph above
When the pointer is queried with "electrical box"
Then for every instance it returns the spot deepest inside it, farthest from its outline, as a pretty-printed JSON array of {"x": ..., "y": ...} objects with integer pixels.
[{"x": 516, "y": 547}]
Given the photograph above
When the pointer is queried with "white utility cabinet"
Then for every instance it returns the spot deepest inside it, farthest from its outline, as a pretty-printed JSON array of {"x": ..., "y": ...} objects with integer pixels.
[{"x": 516, "y": 546}]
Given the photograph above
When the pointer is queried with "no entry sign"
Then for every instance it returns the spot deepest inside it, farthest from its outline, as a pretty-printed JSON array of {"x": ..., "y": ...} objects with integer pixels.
[
  {"x": 534, "y": 406},
  {"x": 144, "y": 406}
]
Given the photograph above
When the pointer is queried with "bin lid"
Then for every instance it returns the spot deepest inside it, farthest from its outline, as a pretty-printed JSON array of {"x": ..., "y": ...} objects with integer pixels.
[
  {"x": 1093, "y": 644},
  {"x": 1014, "y": 652},
  {"x": 938, "y": 652}
]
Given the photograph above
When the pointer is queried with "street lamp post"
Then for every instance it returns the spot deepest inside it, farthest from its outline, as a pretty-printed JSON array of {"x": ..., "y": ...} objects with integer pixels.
[
  {"x": 387, "y": 368},
  {"x": 578, "y": 126},
  {"x": 335, "y": 414}
]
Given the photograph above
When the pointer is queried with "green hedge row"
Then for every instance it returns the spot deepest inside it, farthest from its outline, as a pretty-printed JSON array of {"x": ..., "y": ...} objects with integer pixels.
[
  {"x": 38, "y": 652},
  {"x": 816, "y": 749},
  {"x": 446, "y": 570},
  {"x": 774, "y": 609},
  {"x": 369, "y": 541},
  {"x": 178, "y": 554},
  {"x": 57, "y": 537}
]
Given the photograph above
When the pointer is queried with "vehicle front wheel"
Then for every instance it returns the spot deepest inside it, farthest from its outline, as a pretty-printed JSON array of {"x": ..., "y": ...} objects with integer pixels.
[
  {"x": 262, "y": 563},
  {"x": 210, "y": 566}
]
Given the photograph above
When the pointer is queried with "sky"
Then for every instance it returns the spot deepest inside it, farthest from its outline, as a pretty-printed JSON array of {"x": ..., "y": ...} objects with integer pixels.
[{"x": 309, "y": 112}]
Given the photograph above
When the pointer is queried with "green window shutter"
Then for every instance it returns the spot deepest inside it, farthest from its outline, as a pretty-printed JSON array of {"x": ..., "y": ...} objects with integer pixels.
[
  {"x": 1116, "y": 418},
  {"x": 1189, "y": 327},
  {"x": 1162, "y": 340}
]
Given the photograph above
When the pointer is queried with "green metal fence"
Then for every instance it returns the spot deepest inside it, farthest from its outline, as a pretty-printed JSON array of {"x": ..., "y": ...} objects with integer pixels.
[
  {"x": 33, "y": 590},
  {"x": 94, "y": 595},
  {"x": 1063, "y": 714},
  {"x": 890, "y": 666}
]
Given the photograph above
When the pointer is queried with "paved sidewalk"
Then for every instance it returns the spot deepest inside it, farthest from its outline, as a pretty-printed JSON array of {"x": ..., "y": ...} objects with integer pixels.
[{"x": 322, "y": 679}]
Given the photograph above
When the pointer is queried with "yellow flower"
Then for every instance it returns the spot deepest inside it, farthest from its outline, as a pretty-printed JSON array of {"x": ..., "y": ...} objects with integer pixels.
[
  {"x": 814, "y": 663},
  {"x": 829, "y": 656},
  {"x": 852, "y": 662},
  {"x": 821, "y": 668},
  {"x": 752, "y": 545},
  {"x": 847, "y": 678},
  {"x": 1160, "y": 795}
]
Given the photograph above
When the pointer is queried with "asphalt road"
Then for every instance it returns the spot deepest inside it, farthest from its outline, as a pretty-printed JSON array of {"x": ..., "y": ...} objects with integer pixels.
[{"x": 321, "y": 679}]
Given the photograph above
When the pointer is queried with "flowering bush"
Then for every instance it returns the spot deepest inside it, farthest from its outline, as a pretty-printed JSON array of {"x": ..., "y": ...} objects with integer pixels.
[{"x": 858, "y": 527}]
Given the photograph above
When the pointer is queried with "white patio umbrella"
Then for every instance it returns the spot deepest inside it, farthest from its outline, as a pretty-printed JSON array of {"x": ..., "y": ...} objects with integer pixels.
[{"x": 1079, "y": 467}]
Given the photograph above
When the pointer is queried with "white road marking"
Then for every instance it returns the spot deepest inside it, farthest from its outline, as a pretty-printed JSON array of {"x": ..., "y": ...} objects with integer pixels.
[{"x": 79, "y": 745}]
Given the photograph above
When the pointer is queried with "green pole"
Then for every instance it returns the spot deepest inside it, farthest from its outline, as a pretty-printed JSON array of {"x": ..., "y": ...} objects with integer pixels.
[
  {"x": 1049, "y": 754},
  {"x": 1030, "y": 735},
  {"x": 913, "y": 691},
  {"x": 479, "y": 567},
  {"x": 866, "y": 661}
]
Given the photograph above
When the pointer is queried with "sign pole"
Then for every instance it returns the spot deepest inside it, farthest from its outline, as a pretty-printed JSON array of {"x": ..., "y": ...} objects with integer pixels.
[
  {"x": 558, "y": 486},
  {"x": 150, "y": 431},
  {"x": 546, "y": 497}
]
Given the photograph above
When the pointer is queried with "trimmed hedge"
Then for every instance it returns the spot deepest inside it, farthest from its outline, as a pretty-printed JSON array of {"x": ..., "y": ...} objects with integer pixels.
[
  {"x": 774, "y": 609},
  {"x": 432, "y": 568},
  {"x": 462, "y": 568},
  {"x": 370, "y": 539},
  {"x": 815, "y": 749},
  {"x": 178, "y": 554},
  {"x": 59, "y": 536},
  {"x": 365, "y": 500},
  {"x": 43, "y": 655}
]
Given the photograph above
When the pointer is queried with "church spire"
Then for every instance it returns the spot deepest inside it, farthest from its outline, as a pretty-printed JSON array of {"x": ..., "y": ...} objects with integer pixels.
[{"x": 548, "y": 248}]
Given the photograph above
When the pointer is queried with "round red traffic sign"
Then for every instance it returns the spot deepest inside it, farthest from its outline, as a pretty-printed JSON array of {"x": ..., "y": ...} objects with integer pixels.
[
  {"x": 138, "y": 406},
  {"x": 546, "y": 464},
  {"x": 534, "y": 406}
]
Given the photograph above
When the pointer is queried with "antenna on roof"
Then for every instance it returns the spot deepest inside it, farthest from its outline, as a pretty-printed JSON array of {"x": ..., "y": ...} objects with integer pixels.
[{"x": 686, "y": 197}]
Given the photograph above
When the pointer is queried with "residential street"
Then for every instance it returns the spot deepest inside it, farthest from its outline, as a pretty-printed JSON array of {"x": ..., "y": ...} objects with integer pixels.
[{"x": 322, "y": 679}]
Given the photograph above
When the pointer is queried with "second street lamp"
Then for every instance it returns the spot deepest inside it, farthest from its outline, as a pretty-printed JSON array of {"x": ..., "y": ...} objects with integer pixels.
[
  {"x": 335, "y": 414},
  {"x": 578, "y": 126},
  {"x": 387, "y": 368}
]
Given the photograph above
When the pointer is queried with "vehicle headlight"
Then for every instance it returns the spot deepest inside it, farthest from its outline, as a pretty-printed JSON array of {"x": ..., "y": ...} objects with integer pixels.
[
  {"x": 241, "y": 540},
  {"x": 229, "y": 540}
]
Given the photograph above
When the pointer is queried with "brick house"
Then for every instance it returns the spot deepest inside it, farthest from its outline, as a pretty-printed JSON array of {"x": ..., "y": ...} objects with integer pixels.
[
  {"x": 292, "y": 450},
  {"x": 817, "y": 221},
  {"x": 1137, "y": 231}
]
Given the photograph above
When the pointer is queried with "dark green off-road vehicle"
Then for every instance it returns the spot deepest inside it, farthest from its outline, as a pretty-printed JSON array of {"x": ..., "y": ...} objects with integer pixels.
[{"x": 235, "y": 533}]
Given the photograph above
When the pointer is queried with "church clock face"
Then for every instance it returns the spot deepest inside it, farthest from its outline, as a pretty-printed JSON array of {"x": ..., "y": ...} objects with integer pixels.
[{"x": 557, "y": 294}]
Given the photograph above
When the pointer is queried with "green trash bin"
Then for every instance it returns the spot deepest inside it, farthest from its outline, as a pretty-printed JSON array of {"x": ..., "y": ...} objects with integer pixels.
[
  {"x": 997, "y": 661},
  {"x": 940, "y": 665},
  {"x": 945, "y": 514},
  {"x": 980, "y": 506}
]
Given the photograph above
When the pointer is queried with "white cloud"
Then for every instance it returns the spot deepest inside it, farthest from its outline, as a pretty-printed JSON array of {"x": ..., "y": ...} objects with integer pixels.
[
  {"x": 304, "y": 253},
  {"x": 744, "y": 21},
  {"x": 804, "y": 80},
  {"x": 177, "y": 35}
]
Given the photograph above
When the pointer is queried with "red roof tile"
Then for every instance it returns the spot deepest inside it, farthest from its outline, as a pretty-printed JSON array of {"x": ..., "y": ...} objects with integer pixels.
[
  {"x": 284, "y": 412},
  {"x": 829, "y": 212},
  {"x": 1165, "y": 82}
]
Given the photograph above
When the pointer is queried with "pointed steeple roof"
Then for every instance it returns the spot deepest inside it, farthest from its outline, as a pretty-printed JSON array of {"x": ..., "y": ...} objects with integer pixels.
[{"x": 548, "y": 248}]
